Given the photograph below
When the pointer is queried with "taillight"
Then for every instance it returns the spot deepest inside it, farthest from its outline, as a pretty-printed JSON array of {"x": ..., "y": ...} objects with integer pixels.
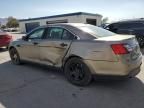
[{"x": 120, "y": 49}]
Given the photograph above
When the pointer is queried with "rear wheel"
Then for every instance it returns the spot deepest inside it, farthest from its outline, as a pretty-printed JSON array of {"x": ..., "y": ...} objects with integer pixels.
[
  {"x": 14, "y": 56},
  {"x": 77, "y": 72}
]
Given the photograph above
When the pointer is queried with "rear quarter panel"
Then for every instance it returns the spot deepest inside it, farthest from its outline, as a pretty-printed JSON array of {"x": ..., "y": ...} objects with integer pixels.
[{"x": 92, "y": 50}]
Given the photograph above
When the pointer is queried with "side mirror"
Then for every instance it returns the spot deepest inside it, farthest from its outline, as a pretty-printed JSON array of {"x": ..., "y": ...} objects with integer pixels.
[{"x": 24, "y": 38}]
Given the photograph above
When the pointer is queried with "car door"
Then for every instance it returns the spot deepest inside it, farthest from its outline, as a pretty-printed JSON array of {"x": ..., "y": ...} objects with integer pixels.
[
  {"x": 29, "y": 49},
  {"x": 55, "y": 46}
]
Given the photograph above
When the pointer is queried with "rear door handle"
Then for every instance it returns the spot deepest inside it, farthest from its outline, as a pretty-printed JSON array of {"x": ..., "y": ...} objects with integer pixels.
[
  {"x": 35, "y": 43},
  {"x": 63, "y": 44}
]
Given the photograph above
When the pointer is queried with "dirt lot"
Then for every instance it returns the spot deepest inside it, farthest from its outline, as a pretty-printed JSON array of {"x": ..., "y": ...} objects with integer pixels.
[{"x": 35, "y": 86}]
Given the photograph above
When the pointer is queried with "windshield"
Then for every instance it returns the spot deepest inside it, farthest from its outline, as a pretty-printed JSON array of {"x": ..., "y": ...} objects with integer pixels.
[{"x": 96, "y": 31}]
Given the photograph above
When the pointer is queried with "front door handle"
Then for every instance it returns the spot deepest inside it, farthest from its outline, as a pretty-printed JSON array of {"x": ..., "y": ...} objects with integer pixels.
[
  {"x": 35, "y": 43},
  {"x": 63, "y": 44}
]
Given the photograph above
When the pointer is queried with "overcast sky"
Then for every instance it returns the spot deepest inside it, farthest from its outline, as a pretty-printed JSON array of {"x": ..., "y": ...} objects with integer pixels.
[{"x": 113, "y": 9}]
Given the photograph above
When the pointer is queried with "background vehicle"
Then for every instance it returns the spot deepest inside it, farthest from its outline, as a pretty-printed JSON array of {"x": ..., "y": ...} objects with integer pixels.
[
  {"x": 104, "y": 25},
  {"x": 82, "y": 50},
  {"x": 5, "y": 39},
  {"x": 12, "y": 29},
  {"x": 130, "y": 27}
]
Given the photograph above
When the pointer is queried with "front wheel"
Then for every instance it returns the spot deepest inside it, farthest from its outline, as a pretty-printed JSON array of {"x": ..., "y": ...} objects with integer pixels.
[
  {"x": 77, "y": 72},
  {"x": 14, "y": 56}
]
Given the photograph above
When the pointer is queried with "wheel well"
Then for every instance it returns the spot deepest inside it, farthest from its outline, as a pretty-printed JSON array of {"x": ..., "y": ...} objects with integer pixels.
[
  {"x": 70, "y": 57},
  {"x": 11, "y": 47}
]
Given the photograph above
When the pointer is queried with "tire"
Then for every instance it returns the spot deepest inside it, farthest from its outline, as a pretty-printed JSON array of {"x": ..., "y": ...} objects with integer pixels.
[
  {"x": 140, "y": 41},
  {"x": 15, "y": 58},
  {"x": 77, "y": 72}
]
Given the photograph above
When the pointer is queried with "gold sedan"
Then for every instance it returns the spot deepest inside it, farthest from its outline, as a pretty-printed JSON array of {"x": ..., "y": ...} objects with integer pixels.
[{"x": 82, "y": 50}]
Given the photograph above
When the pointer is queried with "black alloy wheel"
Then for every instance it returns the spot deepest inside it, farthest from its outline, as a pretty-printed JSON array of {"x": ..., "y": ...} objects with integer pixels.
[{"x": 77, "y": 72}]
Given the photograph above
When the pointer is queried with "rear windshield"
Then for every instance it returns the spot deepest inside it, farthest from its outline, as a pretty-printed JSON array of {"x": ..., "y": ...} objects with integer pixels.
[{"x": 96, "y": 31}]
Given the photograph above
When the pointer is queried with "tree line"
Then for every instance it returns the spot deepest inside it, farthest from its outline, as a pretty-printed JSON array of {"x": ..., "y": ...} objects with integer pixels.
[{"x": 11, "y": 23}]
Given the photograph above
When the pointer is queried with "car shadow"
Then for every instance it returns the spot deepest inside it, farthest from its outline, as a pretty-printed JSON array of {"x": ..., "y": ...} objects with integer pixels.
[
  {"x": 3, "y": 50},
  {"x": 54, "y": 91}
]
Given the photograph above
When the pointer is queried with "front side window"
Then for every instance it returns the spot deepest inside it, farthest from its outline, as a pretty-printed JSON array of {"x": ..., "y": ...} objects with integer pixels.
[
  {"x": 37, "y": 34},
  {"x": 113, "y": 28}
]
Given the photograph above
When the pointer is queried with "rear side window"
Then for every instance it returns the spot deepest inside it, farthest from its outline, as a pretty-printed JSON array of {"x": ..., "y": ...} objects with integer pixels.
[
  {"x": 67, "y": 35},
  {"x": 54, "y": 33},
  {"x": 58, "y": 33}
]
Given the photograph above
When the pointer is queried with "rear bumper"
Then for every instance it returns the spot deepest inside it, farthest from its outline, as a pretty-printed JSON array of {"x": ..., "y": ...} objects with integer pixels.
[
  {"x": 117, "y": 77},
  {"x": 114, "y": 68}
]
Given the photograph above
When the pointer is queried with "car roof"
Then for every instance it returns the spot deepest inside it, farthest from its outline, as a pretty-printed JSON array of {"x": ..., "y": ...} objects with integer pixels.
[{"x": 64, "y": 24}]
